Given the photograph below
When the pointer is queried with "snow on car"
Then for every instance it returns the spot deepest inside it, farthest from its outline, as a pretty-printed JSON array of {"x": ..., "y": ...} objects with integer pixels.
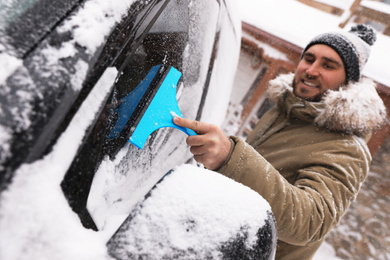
[{"x": 65, "y": 65}]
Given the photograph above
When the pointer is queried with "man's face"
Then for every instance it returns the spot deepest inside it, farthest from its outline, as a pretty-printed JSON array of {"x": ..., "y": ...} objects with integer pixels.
[{"x": 320, "y": 69}]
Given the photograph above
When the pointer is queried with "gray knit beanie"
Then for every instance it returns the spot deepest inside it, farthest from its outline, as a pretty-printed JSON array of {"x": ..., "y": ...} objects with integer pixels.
[{"x": 353, "y": 47}]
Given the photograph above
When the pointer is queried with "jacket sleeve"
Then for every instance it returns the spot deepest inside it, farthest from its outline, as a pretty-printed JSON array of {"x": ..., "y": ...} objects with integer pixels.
[{"x": 307, "y": 209}]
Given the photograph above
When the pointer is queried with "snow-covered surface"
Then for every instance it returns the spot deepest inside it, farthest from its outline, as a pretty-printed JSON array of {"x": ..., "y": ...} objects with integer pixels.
[
  {"x": 94, "y": 14},
  {"x": 90, "y": 33},
  {"x": 10, "y": 63},
  {"x": 224, "y": 71},
  {"x": 36, "y": 221},
  {"x": 268, "y": 49},
  {"x": 378, "y": 6},
  {"x": 299, "y": 23},
  {"x": 192, "y": 213},
  {"x": 342, "y": 4},
  {"x": 326, "y": 252},
  {"x": 90, "y": 26}
]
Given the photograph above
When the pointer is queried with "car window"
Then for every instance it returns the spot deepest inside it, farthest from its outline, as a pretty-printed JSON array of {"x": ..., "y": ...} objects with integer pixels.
[
  {"x": 11, "y": 10},
  {"x": 54, "y": 75},
  {"x": 183, "y": 36},
  {"x": 23, "y": 23}
]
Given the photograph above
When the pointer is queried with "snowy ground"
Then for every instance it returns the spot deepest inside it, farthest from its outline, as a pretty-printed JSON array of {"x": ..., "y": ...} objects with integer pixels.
[{"x": 326, "y": 252}]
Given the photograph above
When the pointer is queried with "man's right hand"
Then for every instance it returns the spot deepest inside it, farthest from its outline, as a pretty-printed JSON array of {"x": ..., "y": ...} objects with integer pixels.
[{"x": 210, "y": 147}]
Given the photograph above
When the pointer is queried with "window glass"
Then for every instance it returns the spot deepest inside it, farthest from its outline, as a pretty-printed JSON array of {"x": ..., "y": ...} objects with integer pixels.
[
  {"x": 183, "y": 37},
  {"x": 23, "y": 23},
  {"x": 12, "y": 9},
  {"x": 164, "y": 44}
]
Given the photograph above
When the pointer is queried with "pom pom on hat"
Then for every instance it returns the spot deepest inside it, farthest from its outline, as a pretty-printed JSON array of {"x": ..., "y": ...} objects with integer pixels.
[
  {"x": 353, "y": 48},
  {"x": 364, "y": 32}
]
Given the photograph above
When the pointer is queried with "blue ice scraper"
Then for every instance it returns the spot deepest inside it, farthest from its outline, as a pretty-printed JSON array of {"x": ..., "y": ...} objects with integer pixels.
[{"x": 150, "y": 106}]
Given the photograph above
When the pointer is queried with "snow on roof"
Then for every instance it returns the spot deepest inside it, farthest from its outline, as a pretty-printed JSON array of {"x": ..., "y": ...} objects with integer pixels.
[
  {"x": 342, "y": 4},
  {"x": 379, "y": 6},
  {"x": 298, "y": 23}
]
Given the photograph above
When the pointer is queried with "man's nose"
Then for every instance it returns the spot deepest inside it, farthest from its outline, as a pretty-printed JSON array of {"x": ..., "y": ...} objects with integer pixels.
[{"x": 313, "y": 70}]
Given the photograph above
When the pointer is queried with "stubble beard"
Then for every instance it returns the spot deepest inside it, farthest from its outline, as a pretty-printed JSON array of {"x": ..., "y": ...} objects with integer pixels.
[{"x": 315, "y": 98}]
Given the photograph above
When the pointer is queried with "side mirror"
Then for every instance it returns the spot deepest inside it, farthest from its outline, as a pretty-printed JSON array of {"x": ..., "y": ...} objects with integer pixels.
[{"x": 194, "y": 213}]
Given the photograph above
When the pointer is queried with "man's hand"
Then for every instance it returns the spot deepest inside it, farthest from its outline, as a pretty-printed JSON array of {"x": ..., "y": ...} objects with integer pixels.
[{"x": 210, "y": 147}]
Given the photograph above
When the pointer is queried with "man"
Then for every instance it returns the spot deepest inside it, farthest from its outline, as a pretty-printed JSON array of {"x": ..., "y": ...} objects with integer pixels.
[{"x": 307, "y": 156}]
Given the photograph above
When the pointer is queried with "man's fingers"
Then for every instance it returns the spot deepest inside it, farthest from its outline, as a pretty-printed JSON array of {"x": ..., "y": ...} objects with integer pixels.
[
  {"x": 197, "y": 150},
  {"x": 197, "y": 126},
  {"x": 210, "y": 147},
  {"x": 195, "y": 140}
]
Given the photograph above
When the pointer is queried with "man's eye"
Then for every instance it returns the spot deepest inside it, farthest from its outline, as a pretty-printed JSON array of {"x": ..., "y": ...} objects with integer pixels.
[
  {"x": 327, "y": 66},
  {"x": 309, "y": 60}
]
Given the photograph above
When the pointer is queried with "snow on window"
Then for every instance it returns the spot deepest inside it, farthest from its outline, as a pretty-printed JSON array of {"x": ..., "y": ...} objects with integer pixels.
[
  {"x": 36, "y": 221},
  {"x": 8, "y": 65}
]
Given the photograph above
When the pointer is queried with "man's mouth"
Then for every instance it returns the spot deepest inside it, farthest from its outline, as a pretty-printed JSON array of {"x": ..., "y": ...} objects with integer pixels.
[{"x": 310, "y": 84}]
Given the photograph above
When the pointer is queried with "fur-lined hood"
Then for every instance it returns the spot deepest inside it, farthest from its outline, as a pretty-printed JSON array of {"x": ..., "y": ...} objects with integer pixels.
[{"x": 355, "y": 108}]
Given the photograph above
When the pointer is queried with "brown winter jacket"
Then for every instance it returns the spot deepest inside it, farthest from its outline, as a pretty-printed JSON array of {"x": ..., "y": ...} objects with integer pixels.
[{"x": 308, "y": 160}]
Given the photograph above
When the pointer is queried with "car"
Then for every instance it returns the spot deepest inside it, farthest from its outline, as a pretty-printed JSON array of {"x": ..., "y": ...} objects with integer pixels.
[{"x": 66, "y": 66}]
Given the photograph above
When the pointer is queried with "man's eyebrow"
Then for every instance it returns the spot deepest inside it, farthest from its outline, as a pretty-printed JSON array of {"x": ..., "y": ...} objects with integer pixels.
[
  {"x": 333, "y": 61},
  {"x": 309, "y": 54}
]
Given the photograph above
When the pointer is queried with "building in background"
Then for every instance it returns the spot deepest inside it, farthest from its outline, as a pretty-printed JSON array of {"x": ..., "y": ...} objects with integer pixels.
[
  {"x": 364, "y": 230},
  {"x": 264, "y": 56}
]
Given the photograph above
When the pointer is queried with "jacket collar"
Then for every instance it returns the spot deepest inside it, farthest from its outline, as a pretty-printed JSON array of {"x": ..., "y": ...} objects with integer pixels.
[{"x": 355, "y": 108}]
